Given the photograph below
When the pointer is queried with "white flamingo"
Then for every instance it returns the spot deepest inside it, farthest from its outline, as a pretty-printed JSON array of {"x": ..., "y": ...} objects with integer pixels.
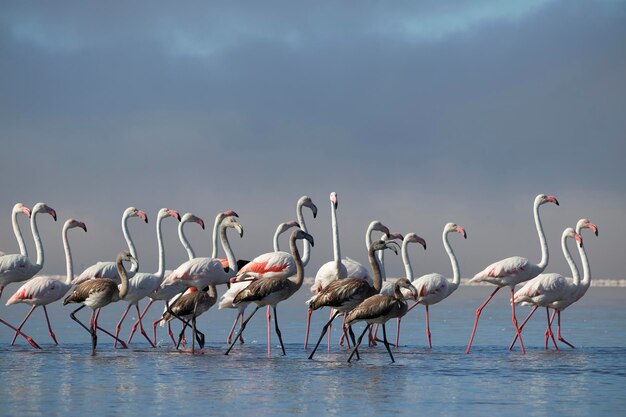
[
  {"x": 143, "y": 284},
  {"x": 18, "y": 267},
  {"x": 434, "y": 288},
  {"x": 43, "y": 290},
  {"x": 107, "y": 269},
  {"x": 514, "y": 270},
  {"x": 563, "y": 291}
]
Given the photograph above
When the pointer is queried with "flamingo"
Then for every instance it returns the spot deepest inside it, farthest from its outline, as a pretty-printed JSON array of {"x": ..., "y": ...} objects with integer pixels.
[
  {"x": 19, "y": 208},
  {"x": 379, "y": 309},
  {"x": 434, "y": 288},
  {"x": 18, "y": 267},
  {"x": 143, "y": 284},
  {"x": 160, "y": 292},
  {"x": 226, "y": 300},
  {"x": 43, "y": 290},
  {"x": 340, "y": 268},
  {"x": 188, "y": 307},
  {"x": 97, "y": 293},
  {"x": 514, "y": 270},
  {"x": 108, "y": 269},
  {"x": 272, "y": 290},
  {"x": 202, "y": 272},
  {"x": 345, "y": 294},
  {"x": 564, "y": 291}
]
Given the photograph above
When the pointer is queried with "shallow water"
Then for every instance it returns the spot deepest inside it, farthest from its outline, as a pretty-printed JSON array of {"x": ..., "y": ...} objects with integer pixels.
[{"x": 66, "y": 380}]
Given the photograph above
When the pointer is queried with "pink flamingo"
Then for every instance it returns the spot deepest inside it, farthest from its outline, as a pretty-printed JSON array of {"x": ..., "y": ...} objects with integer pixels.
[
  {"x": 514, "y": 270},
  {"x": 43, "y": 290},
  {"x": 564, "y": 291}
]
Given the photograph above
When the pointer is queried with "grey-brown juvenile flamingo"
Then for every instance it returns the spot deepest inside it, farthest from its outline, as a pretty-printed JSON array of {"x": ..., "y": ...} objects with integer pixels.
[
  {"x": 270, "y": 291},
  {"x": 97, "y": 293},
  {"x": 379, "y": 309}
]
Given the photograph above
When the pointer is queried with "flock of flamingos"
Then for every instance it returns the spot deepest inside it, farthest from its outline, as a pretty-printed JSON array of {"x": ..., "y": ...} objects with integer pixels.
[{"x": 345, "y": 286}]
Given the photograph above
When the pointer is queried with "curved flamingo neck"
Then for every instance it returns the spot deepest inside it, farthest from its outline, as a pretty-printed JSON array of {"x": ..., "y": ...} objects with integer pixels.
[
  {"x": 159, "y": 232},
  {"x": 306, "y": 246},
  {"x": 299, "y": 264},
  {"x": 123, "y": 287},
  {"x": 570, "y": 261},
  {"x": 378, "y": 280},
  {"x": 275, "y": 244},
  {"x": 216, "y": 226},
  {"x": 456, "y": 274},
  {"x": 586, "y": 281},
  {"x": 408, "y": 270},
  {"x": 68, "y": 257},
  {"x": 397, "y": 293},
  {"x": 18, "y": 233},
  {"x": 542, "y": 240},
  {"x": 381, "y": 259},
  {"x": 232, "y": 262},
  {"x": 129, "y": 240},
  {"x": 184, "y": 241},
  {"x": 336, "y": 248},
  {"x": 36, "y": 238}
]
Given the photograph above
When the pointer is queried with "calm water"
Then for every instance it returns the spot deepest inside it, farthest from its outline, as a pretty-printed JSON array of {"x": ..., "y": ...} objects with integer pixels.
[{"x": 66, "y": 380}]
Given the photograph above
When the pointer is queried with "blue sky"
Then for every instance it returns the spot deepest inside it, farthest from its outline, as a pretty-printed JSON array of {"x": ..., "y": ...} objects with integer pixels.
[{"x": 415, "y": 114}]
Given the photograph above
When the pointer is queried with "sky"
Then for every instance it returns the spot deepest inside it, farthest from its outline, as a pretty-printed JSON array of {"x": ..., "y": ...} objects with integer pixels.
[{"x": 415, "y": 113}]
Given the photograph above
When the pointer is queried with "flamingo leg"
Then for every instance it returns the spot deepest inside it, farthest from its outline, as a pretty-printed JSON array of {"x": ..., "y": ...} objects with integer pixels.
[
  {"x": 358, "y": 342},
  {"x": 546, "y": 335},
  {"x": 523, "y": 324},
  {"x": 549, "y": 329},
  {"x": 308, "y": 326},
  {"x": 269, "y": 334},
  {"x": 387, "y": 343},
  {"x": 73, "y": 317},
  {"x": 330, "y": 328},
  {"x": 478, "y": 311},
  {"x": 243, "y": 326},
  {"x": 119, "y": 325},
  {"x": 94, "y": 336},
  {"x": 138, "y": 322},
  {"x": 353, "y": 342},
  {"x": 324, "y": 329},
  {"x": 232, "y": 329},
  {"x": 344, "y": 328},
  {"x": 19, "y": 328},
  {"x": 430, "y": 345},
  {"x": 398, "y": 320},
  {"x": 28, "y": 338},
  {"x": 141, "y": 329},
  {"x": 241, "y": 335},
  {"x": 558, "y": 331},
  {"x": 412, "y": 307},
  {"x": 280, "y": 338},
  {"x": 514, "y": 319},
  {"x": 45, "y": 311}
]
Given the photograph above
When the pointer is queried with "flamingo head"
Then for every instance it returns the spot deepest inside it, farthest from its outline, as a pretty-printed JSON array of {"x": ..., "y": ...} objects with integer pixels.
[
  {"x": 405, "y": 283},
  {"x": 230, "y": 221},
  {"x": 395, "y": 236},
  {"x": 21, "y": 208},
  {"x": 135, "y": 212},
  {"x": 301, "y": 234},
  {"x": 378, "y": 226},
  {"x": 586, "y": 224},
  {"x": 333, "y": 199},
  {"x": 283, "y": 227},
  {"x": 190, "y": 217},
  {"x": 229, "y": 213},
  {"x": 305, "y": 201},
  {"x": 412, "y": 237},
  {"x": 125, "y": 256},
  {"x": 569, "y": 232},
  {"x": 382, "y": 245},
  {"x": 165, "y": 212},
  {"x": 542, "y": 199},
  {"x": 71, "y": 223},
  {"x": 453, "y": 227},
  {"x": 44, "y": 208}
]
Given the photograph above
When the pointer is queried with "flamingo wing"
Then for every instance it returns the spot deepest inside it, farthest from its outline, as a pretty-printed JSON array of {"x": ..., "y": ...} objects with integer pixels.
[
  {"x": 44, "y": 289},
  {"x": 269, "y": 265},
  {"x": 16, "y": 267},
  {"x": 504, "y": 268}
]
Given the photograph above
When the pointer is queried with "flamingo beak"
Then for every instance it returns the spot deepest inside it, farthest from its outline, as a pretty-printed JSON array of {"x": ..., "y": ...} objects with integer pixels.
[
  {"x": 26, "y": 211},
  {"x": 552, "y": 199},
  {"x": 82, "y": 226},
  {"x": 313, "y": 208},
  {"x": 593, "y": 228},
  {"x": 228, "y": 213},
  {"x": 142, "y": 215},
  {"x": 174, "y": 214},
  {"x": 53, "y": 213},
  {"x": 461, "y": 231},
  {"x": 579, "y": 239},
  {"x": 200, "y": 222}
]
